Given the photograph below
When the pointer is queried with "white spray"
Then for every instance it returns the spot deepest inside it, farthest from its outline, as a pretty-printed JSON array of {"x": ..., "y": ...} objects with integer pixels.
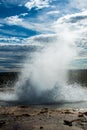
[{"x": 44, "y": 78}]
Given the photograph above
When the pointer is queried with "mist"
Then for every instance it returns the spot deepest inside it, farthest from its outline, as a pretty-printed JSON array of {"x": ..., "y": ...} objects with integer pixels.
[{"x": 43, "y": 79}]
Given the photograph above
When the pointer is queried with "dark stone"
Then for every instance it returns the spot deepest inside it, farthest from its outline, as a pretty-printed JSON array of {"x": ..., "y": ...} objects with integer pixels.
[
  {"x": 41, "y": 127},
  {"x": 69, "y": 123},
  {"x": 85, "y": 113},
  {"x": 26, "y": 115},
  {"x": 2, "y": 123},
  {"x": 22, "y": 106},
  {"x": 80, "y": 115}
]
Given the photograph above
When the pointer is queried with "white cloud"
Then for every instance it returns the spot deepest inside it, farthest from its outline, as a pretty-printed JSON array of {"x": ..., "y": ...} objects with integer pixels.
[
  {"x": 77, "y": 24},
  {"x": 40, "y": 40},
  {"x": 69, "y": 17},
  {"x": 79, "y": 4},
  {"x": 1, "y": 25},
  {"x": 23, "y": 14},
  {"x": 53, "y": 12},
  {"x": 9, "y": 40},
  {"x": 14, "y": 20},
  {"x": 37, "y": 3}
]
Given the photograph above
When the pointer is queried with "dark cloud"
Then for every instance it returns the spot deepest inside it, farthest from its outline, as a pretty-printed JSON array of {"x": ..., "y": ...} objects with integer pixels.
[{"x": 77, "y": 18}]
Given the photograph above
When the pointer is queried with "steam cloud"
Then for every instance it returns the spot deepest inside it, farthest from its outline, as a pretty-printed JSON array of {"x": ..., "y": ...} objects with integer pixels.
[{"x": 44, "y": 78}]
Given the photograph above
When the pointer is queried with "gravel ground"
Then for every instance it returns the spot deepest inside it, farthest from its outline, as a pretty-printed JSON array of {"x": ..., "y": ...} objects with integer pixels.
[{"x": 41, "y": 117}]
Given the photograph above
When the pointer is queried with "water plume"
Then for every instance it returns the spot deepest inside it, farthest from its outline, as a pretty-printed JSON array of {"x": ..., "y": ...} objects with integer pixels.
[{"x": 43, "y": 79}]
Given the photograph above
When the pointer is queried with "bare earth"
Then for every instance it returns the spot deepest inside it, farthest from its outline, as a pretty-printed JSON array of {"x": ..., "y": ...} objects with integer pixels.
[{"x": 41, "y": 117}]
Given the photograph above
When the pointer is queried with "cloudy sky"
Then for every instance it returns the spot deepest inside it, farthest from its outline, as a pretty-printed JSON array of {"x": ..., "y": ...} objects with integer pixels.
[{"x": 25, "y": 21}]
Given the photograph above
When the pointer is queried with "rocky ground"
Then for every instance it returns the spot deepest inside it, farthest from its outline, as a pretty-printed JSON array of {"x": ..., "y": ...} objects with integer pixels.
[{"x": 41, "y": 117}]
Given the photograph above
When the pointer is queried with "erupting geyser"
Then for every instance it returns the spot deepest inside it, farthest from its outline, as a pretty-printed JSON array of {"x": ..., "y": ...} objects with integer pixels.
[{"x": 44, "y": 78}]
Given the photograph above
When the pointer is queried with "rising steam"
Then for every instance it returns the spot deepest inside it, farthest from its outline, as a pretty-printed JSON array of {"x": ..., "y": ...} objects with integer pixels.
[{"x": 44, "y": 78}]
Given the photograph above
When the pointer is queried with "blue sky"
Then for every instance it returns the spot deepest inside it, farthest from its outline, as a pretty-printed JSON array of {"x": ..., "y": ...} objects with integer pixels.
[
  {"x": 26, "y": 18},
  {"x": 29, "y": 22},
  {"x": 21, "y": 20}
]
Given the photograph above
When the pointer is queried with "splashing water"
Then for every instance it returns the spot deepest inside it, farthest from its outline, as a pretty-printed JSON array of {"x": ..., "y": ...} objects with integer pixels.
[{"x": 43, "y": 78}]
